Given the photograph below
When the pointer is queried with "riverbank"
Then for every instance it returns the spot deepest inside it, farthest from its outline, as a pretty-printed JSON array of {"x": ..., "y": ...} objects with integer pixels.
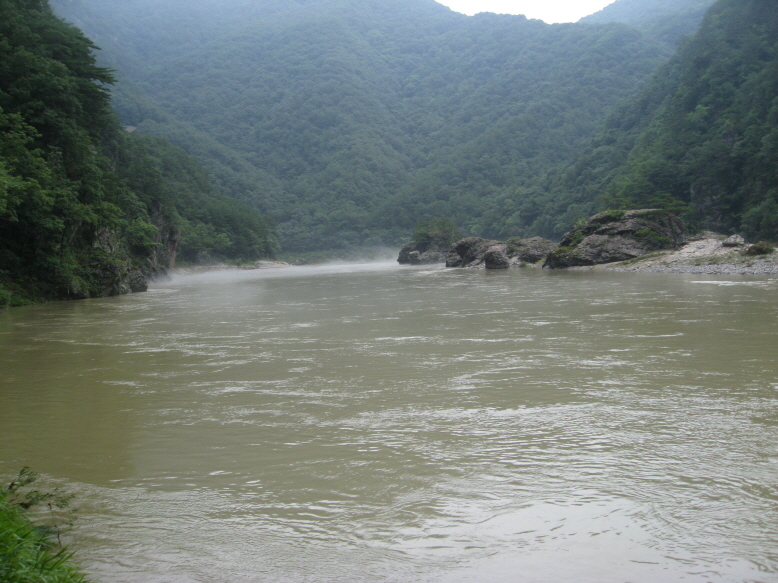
[{"x": 704, "y": 255}]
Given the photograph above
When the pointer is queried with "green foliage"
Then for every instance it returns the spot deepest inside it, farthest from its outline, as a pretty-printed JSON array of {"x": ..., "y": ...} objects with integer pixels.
[
  {"x": 665, "y": 19},
  {"x": 651, "y": 237},
  {"x": 699, "y": 140},
  {"x": 77, "y": 195},
  {"x": 761, "y": 220},
  {"x": 28, "y": 553},
  {"x": 576, "y": 239},
  {"x": 440, "y": 232},
  {"x": 346, "y": 121},
  {"x": 760, "y": 248},
  {"x": 207, "y": 224},
  {"x": 5, "y": 297}
]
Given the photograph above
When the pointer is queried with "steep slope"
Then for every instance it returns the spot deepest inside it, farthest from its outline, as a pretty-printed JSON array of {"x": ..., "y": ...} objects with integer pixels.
[
  {"x": 85, "y": 208},
  {"x": 703, "y": 133},
  {"x": 663, "y": 19}
]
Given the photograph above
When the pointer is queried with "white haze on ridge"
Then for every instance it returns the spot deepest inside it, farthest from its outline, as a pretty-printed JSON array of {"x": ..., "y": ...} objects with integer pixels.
[{"x": 550, "y": 11}]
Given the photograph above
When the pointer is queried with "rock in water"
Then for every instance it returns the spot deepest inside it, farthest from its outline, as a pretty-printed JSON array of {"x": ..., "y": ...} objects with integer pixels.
[
  {"x": 416, "y": 254},
  {"x": 529, "y": 250},
  {"x": 617, "y": 236},
  {"x": 470, "y": 252},
  {"x": 496, "y": 257}
]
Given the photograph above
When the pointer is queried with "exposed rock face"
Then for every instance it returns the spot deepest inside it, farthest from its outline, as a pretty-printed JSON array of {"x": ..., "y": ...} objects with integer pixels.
[
  {"x": 113, "y": 274},
  {"x": 496, "y": 257},
  {"x": 529, "y": 250},
  {"x": 734, "y": 241},
  {"x": 121, "y": 278},
  {"x": 478, "y": 252},
  {"x": 470, "y": 252},
  {"x": 617, "y": 236},
  {"x": 116, "y": 270},
  {"x": 416, "y": 254}
]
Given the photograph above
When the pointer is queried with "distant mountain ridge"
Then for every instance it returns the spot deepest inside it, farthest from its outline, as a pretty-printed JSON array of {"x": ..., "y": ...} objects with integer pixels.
[
  {"x": 640, "y": 12},
  {"x": 667, "y": 20},
  {"x": 349, "y": 120}
]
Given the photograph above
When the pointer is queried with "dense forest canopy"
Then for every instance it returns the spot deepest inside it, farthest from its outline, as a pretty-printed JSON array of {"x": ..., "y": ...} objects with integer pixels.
[
  {"x": 349, "y": 120},
  {"x": 703, "y": 133},
  {"x": 81, "y": 200}
]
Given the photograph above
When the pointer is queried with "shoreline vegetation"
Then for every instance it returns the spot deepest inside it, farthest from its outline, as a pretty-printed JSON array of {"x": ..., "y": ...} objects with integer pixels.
[{"x": 31, "y": 551}]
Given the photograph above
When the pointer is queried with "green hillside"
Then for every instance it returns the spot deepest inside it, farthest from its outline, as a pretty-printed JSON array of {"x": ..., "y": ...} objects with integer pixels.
[
  {"x": 87, "y": 209},
  {"x": 703, "y": 133},
  {"x": 667, "y": 20},
  {"x": 349, "y": 120}
]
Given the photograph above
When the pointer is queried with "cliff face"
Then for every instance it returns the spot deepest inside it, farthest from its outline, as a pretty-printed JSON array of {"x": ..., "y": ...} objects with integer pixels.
[{"x": 115, "y": 270}]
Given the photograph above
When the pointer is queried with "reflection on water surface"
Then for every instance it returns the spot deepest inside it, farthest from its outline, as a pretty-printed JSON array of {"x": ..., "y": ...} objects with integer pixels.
[{"x": 385, "y": 423}]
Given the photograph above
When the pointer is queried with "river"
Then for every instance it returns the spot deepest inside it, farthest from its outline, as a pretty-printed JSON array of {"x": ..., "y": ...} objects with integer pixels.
[{"x": 366, "y": 423}]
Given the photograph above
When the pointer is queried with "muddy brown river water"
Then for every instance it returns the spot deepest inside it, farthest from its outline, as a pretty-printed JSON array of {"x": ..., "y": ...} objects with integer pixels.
[{"x": 369, "y": 423}]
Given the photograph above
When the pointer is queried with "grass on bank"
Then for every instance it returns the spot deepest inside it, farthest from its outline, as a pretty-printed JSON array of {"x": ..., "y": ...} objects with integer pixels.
[{"x": 31, "y": 552}]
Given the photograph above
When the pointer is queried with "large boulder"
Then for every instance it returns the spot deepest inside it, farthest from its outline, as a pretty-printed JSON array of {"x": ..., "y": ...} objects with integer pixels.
[
  {"x": 734, "y": 241},
  {"x": 470, "y": 252},
  {"x": 418, "y": 254},
  {"x": 496, "y": 257},
  {"x": 617, "y": 236},
  {"x": 529, "y": 250}
]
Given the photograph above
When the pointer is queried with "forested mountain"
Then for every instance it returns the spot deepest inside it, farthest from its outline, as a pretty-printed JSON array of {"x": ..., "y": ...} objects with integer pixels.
[
  {"x": 663, "y": 19},
  {"x": 703, "y": 133},
  {"x": 349, "y": 120},
  {"x": 85, "y": 207}
]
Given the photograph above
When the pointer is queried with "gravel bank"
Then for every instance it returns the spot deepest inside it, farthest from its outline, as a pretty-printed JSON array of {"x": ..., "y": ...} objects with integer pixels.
[{"x": 705, "y": 256}]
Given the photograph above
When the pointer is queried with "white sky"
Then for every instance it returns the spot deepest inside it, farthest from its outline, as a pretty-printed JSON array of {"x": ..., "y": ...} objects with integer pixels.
[{"x": 547, "y": 10}]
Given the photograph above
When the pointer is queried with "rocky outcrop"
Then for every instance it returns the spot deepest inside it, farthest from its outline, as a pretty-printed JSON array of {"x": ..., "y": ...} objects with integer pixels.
[
  {"x": 111, "y": 273},
  {"x": 496, "y": 257},
  {"x": 491, "y": 254},
  {"x": 617, "y": 236},
  {"x": 529, "y": 250},
  {"x": 418, "y": 254},
  {"x": 116, "y": 268},
  {"x": 734, "y": 241},
  {"x": 120, "y": 278},
  {"x": 470, "y": 252}
]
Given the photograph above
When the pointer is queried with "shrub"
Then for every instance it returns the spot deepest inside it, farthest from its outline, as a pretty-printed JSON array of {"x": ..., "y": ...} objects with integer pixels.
[
  {"x": 760, "y": 248},
  {"x": 28, "y": 552},
  {"x": 437, "y": 232},
  {"x": 5, "y": 297},
  {"x": 651, "y": 237}
]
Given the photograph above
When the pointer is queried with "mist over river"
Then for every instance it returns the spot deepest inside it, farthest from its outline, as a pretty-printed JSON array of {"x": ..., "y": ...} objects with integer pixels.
[{"x": 369, "y": 423}]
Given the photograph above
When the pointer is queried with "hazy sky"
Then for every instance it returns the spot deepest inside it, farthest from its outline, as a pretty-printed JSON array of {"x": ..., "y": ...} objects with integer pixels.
[{"x": 548, "y": 10}]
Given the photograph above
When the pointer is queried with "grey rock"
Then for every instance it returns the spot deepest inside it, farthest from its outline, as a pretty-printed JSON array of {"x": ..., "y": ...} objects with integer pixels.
[
  {"x": 529, "y": 250},
  {"x": 617, "y": 236},
  {"x": 734, "y": 241},
  {"x": 416, "y": 254},
  {"x": 496, "y": 257},
  {"x": 453, "y": 259},
  {"x": 470, "y": 251}
]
